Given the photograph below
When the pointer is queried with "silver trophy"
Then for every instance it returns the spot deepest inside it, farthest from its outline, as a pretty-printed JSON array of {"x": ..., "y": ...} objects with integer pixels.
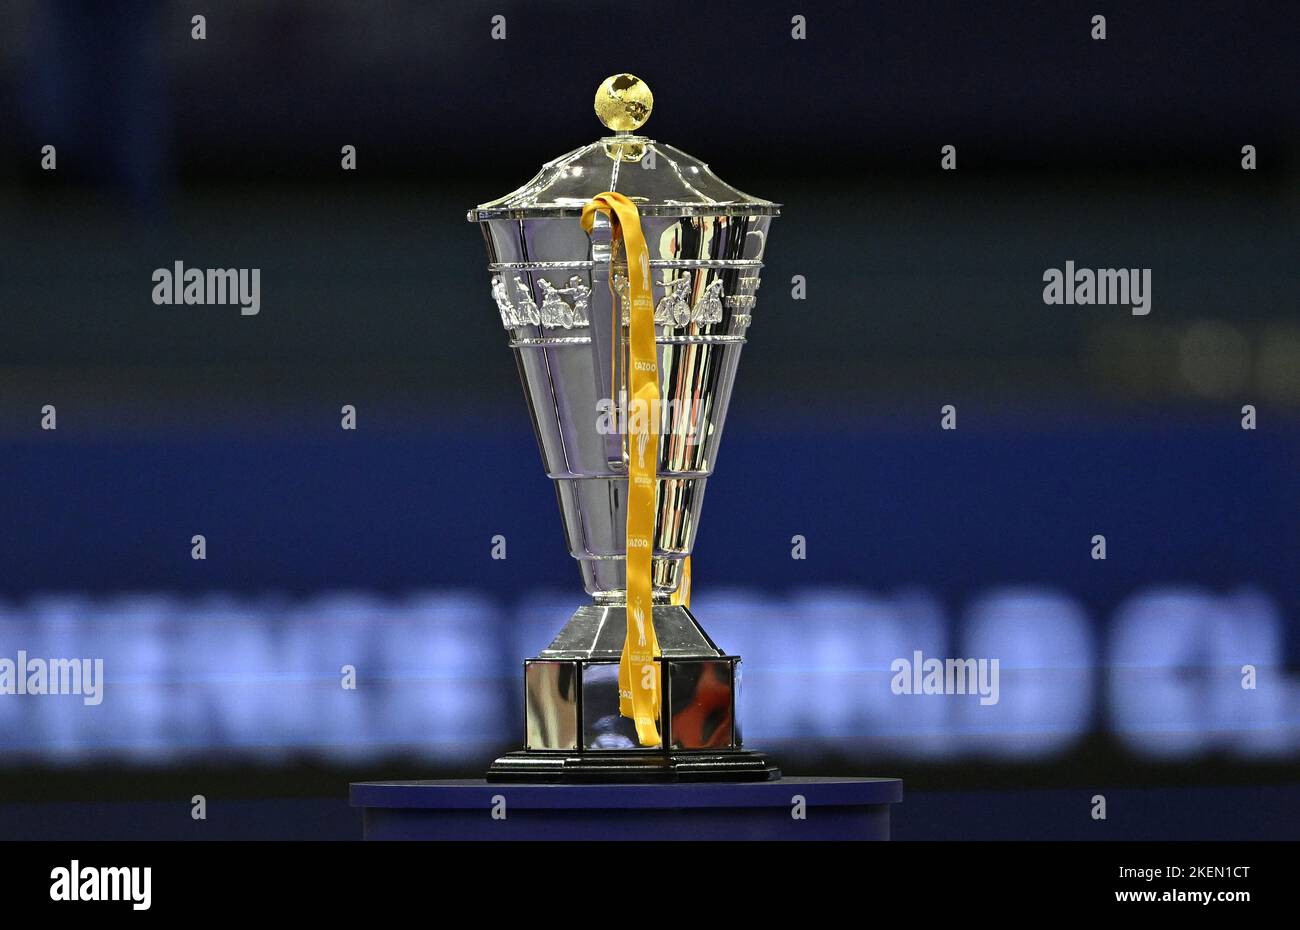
[{"x": 563, "y": 306}]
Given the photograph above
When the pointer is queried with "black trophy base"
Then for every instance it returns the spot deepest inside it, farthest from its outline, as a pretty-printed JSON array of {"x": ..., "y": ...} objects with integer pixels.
[{"x": 604, "y": 766}]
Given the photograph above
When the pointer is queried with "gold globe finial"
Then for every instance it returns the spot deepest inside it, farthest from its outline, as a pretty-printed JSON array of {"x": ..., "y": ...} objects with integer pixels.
[{"x": 624, "y": 102}]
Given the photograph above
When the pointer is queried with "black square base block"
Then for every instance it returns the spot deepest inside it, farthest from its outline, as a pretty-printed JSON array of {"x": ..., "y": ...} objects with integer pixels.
[{"x": 572, "y": 705}]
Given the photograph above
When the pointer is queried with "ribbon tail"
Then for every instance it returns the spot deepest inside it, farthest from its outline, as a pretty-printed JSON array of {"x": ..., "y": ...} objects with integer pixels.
[{"x": 639, "y": 668}]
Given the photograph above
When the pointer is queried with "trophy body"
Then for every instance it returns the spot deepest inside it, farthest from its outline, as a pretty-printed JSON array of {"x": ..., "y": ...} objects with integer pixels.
[{"x": 561, "y": 293}]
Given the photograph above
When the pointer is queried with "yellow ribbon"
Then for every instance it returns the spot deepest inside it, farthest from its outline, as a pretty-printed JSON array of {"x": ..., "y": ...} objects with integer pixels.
[
  {"x": 683, "y": 593},
  {"x": 638, "y": 672}
]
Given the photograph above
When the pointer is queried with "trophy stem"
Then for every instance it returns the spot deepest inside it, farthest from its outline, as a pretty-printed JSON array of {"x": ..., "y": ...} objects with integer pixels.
[{"x": 599, "y": 629}]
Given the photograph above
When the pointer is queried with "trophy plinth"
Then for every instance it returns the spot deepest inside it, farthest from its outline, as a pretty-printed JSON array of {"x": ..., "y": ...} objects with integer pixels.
[
  {"x": 564, "y": 296},
  {"x": 850, "y": 809},
  {"x": 529, "y": 767},
  {"x": 574, "y": 732}
]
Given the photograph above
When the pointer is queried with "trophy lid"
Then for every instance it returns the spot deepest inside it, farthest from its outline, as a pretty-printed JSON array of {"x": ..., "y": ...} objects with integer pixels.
[{"x": 659, "y": 179}]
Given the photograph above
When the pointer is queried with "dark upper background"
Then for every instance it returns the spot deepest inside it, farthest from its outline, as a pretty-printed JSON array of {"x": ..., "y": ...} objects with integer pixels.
[
  {"x": 924, "y": 288},
  {"x": 1103, "y": 152}
]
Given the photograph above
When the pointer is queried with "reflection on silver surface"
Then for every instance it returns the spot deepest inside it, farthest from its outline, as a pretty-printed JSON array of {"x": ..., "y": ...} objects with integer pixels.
[
  {"x": 567, "y": 695},
  {"x": 702, "y": 705},
  {"x": 551, "y": 708},
  {"x": 602, "y": 725},
  {"x": 738, "y": 699}
]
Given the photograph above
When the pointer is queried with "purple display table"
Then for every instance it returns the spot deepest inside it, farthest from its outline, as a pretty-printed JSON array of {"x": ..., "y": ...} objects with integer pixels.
[{"x": 463, "y": 809}]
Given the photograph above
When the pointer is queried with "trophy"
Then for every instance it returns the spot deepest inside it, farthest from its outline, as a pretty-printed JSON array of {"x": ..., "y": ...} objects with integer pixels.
[{"x": 625, "y": 274}]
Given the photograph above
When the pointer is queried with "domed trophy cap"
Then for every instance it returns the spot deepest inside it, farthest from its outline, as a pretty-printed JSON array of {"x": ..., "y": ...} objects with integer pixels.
[{"x": 660, "y": 179}]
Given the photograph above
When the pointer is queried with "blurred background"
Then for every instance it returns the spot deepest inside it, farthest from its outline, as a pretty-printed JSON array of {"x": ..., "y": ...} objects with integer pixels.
[{"x": 372, "y": 548}]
